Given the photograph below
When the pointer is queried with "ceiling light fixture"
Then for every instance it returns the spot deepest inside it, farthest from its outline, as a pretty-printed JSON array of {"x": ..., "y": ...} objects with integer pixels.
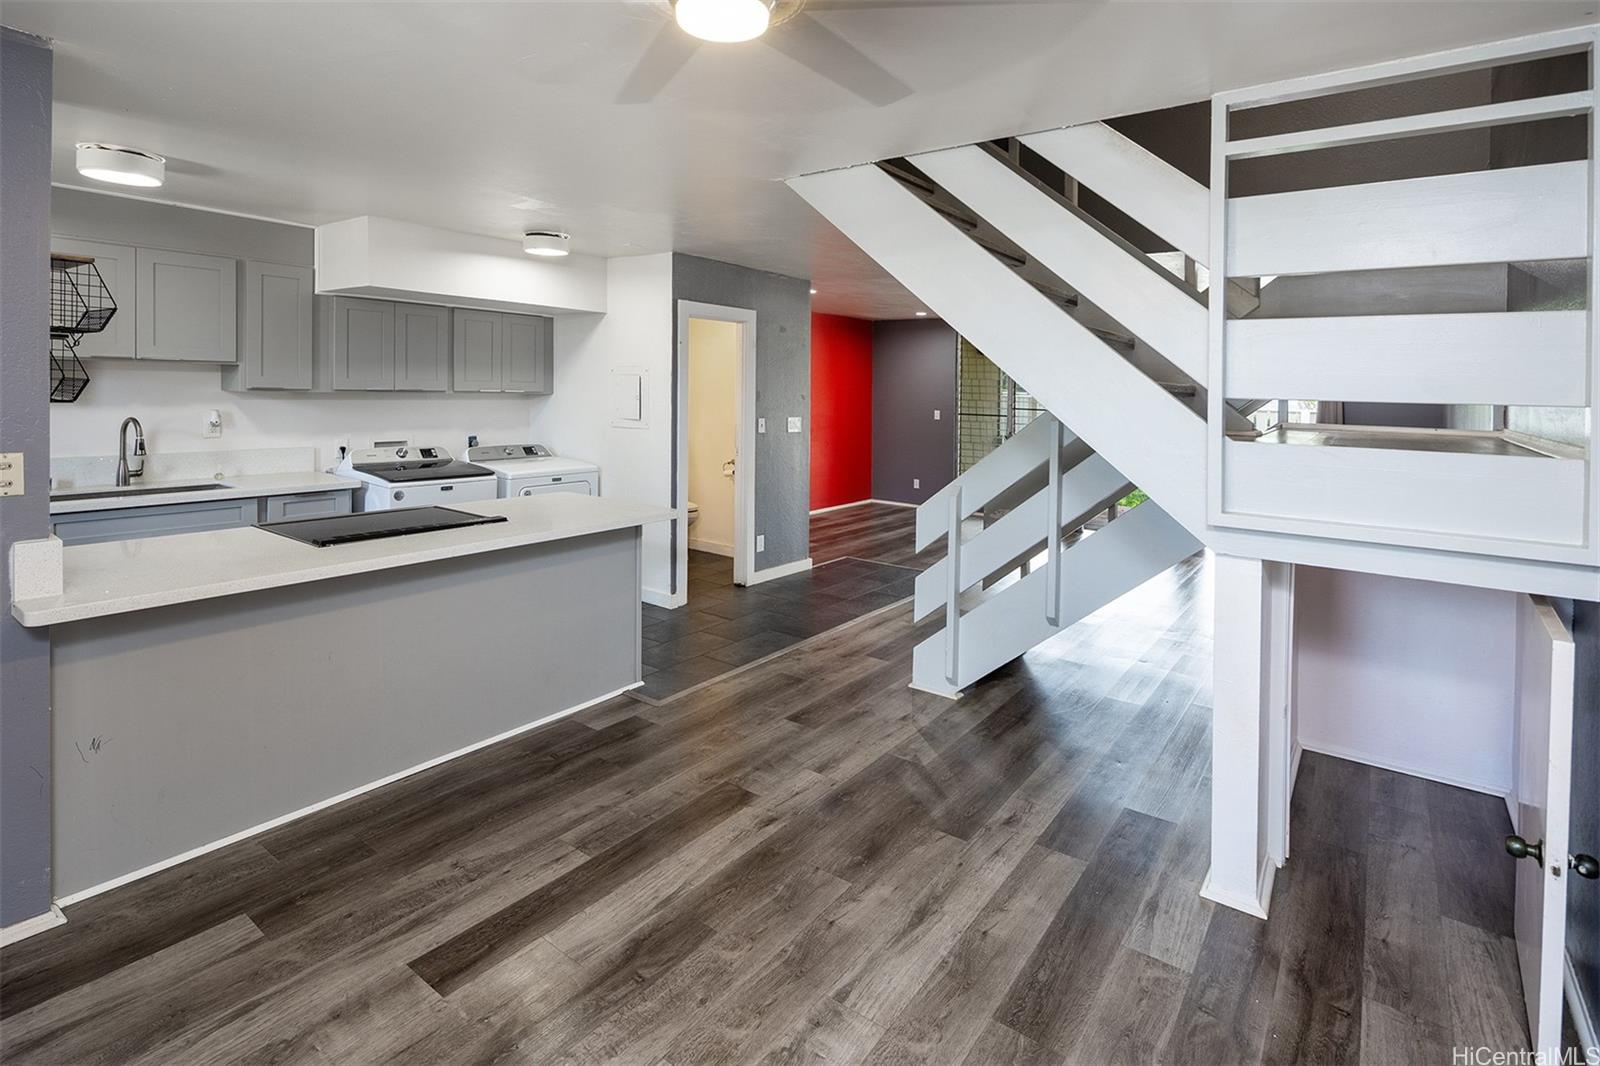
[
  {"x": 549, "y": 245},
  {"x": 922, "y": 314},
  {"x": 813, "y": 292},
  {"x": 121, "y": 166},
  {"x": 723, "y": 21}
]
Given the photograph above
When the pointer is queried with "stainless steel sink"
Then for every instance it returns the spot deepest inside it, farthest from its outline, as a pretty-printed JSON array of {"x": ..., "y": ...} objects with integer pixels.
[{"x": 148, "y": 490}]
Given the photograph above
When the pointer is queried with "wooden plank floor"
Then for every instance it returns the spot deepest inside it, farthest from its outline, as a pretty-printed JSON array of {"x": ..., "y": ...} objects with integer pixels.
[{"x": 808, "y": 861}]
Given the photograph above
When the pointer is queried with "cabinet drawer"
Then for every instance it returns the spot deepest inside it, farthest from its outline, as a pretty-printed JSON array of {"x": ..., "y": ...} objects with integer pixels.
[
  {"x": 306, "y": 505},
  {"x": 133, "y": 523}
]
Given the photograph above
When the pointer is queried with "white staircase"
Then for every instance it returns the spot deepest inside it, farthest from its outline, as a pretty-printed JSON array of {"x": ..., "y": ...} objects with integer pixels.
[
  {"x": 1145, "y": 370},
  {"x": 1108, "y": 341}
]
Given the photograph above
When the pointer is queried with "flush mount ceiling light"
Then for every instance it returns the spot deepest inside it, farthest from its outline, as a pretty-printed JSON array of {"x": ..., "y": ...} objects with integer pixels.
[
  {"x": 121, "y": 166},
  {"x": 723, "y": 21},
  {"x": 922, "y": 314},
  {"x": 813, "y": 292},
  {"x": 549, "y": 245}
]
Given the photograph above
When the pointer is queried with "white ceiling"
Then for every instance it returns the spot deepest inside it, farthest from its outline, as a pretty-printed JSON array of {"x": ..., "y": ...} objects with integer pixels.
[{"x": 494, "y": 118}]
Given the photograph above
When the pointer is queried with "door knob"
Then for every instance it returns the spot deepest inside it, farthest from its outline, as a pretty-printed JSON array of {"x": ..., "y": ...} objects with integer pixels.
[
  {"x": 1518, "y": 848},
  {"x": 1585, "y": 866}
]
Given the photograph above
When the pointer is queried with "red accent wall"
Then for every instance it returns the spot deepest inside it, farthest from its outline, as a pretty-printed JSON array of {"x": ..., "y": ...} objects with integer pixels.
[{"x": 841, "y": 410}]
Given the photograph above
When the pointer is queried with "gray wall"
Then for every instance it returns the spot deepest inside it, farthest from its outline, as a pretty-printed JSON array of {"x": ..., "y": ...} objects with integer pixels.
[
  {"x": 783, "y": 389},
  {"x": 121, "y": 220},
  {"x": 913, "y": 375},
  {"x": 25, "y": 94}
]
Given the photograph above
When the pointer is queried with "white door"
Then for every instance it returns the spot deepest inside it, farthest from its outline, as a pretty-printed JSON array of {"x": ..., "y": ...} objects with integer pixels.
[{"x": 1543, "y": 789}]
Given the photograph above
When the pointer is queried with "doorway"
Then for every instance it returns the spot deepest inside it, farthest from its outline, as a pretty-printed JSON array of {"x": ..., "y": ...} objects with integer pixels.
[{"x": 714, "y": 467}]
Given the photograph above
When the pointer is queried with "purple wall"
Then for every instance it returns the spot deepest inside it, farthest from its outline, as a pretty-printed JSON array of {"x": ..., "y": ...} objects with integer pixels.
[{"x": 913, "y": 375}]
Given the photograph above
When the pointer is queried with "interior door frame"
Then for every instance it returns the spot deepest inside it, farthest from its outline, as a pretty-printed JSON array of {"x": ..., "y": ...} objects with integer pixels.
[{"x": 744, "y": 486}]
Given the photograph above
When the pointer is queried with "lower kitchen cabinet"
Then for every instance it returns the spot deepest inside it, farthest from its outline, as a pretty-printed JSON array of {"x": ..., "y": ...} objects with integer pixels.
[{"x": 135, "y": 523}]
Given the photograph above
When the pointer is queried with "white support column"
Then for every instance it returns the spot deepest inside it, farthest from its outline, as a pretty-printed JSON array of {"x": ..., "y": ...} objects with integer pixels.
[{"x": 1250, "y": 734}]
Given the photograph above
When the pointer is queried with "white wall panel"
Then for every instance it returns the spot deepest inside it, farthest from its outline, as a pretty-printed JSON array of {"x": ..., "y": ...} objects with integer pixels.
[
  {"x": 1534, "y": 357},
  {"x": 1490, "y": 216}
]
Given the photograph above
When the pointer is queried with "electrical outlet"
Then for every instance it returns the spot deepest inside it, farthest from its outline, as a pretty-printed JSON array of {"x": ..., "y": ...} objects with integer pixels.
[
  {"x": 10, "y": 473},
  {"x": 794, "y": 423},
  {"x": 916, "y": 482},
  {"x": 936, "y": 414},
  {"x": 761, "y": 425},
  {"x": 761, "y": 542},
  {"x": 213, "y": 424}
]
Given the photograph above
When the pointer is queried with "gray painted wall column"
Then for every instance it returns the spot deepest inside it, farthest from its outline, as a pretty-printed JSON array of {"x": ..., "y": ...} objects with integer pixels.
[
  {"x": 25, "y": 94},
  {"x": 783, "y": 389},
  {"x": 913, "y": 375}
]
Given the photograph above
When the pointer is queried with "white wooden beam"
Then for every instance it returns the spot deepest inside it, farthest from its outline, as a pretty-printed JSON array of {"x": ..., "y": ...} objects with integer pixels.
[
  {"x": 1488, "y": 216},
  {"x": 1527, "y": 357},
  {"x": 1561, "y": 105}
]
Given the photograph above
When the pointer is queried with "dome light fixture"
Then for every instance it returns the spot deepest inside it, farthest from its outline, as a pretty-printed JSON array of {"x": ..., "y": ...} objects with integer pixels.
[
  {"x": 548, "y": 245},
  {"x": 723, "y": 21},
  {"x": 121, "y": 166}
]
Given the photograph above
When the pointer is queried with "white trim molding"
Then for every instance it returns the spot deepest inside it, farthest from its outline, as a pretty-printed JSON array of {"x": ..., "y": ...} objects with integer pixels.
[
  {"x": 799, "y": 566},
  {"x": 32, "y": 926},
  {"x": 1583, "y": 1019}
]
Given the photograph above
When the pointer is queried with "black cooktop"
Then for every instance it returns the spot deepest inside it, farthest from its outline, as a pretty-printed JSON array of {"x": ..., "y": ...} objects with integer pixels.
[
  {"x": 372, "y": 525},
  {"x": 423, "y": 470}
]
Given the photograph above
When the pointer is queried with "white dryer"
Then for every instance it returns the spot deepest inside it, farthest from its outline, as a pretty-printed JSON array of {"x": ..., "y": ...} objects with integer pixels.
[{"x": 532, "y": 470}]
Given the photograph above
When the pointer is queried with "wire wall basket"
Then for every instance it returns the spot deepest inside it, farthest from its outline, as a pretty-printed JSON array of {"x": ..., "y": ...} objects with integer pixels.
[
  {"x": 80, "y": 302},
  {"x": 68, "y": 378}
]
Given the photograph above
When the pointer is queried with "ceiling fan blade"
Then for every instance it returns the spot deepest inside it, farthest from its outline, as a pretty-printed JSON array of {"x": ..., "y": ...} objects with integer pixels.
[
  {"x": 811, "y": 44},
  {"x": 668, "y": 52}
]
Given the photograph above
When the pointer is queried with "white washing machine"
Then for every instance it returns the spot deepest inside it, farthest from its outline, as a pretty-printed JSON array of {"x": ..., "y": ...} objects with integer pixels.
[
  {"x": 398, "y": 474},
  {"x": 532, "y": 470}
]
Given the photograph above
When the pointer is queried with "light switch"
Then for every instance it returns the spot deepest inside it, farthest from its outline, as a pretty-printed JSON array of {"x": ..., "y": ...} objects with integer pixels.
[
  {"x": 761, "y": 542},
  {"x": 761, "y": 425},
  {"x": 10, "y": 473},
  {"x": 794, "y": 423},
  {"x": 916, "y": 482},
  {"x": 936, "y": 414}
]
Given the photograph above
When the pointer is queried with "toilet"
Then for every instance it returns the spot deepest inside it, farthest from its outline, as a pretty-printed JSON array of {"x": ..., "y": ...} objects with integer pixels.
[{"x": 694, "y": 512}]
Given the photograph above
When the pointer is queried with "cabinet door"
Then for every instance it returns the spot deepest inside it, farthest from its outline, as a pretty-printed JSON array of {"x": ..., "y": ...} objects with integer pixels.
[
  {"x": 115, "y": 263},
  {"x": 528, "y": 343},
  {"x": 186, "y": 306},
  {"x": 275, "y": 330},
  {"x": 421, "y": 348},
  {"x": 478, "y": 351},
  {"x": 307, "y": 505},
  {"x": 363, "y": 344}
]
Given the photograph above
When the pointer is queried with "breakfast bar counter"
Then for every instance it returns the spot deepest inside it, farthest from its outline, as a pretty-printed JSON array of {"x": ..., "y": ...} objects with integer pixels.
[{"x": 206, "y": 686}]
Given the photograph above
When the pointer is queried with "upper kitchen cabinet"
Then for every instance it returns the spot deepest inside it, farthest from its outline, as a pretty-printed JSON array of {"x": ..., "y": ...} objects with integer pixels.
[
  {"x": 529, "y": 353},
  {"x": 115, "y": 263},
  {"x": 381, "y": 346},
  {"x": 275, "y": 329},
  {"x": 185, "y": 306},
  {"x": 479, "y": 343},
  {"x": 497, "y": 352},
  {"x": 421, "y": 347},
  {"x": 361, "y": 344}
]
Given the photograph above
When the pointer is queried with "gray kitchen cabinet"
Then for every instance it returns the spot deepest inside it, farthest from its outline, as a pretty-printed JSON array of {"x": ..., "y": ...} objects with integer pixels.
[
  {"x": 307, "y": 505},
  {"x": 116, "y": 265},
  {"x": 497, "y": 352},
  {"x": 133, "y": 523},
  {"x": 421, "y": 347},
  {"x": 187, "y": 306},
  {"x": 275, "y": 333},
  {"x": 529, "y": 353},
  {"x": 361, "y": 344},
  {"x": 478, "y": 351}
]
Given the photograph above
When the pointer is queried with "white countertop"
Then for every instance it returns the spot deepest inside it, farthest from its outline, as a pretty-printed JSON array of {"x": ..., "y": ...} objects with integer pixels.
[
  {"x": 235, "y": 487},
  {"x": 133, "y": 575}
]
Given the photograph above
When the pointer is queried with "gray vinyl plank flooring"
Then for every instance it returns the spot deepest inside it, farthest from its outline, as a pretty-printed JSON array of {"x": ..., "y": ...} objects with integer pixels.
[{"x": 808, "y": 861}]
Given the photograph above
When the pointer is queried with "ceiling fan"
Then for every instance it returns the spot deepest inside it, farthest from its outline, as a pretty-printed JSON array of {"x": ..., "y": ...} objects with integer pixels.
[{"x": 785, "y": 26}]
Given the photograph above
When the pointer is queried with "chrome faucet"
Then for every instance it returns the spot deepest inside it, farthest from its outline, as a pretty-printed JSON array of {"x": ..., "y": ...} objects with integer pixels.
[{"x": 125, "y": 475}]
